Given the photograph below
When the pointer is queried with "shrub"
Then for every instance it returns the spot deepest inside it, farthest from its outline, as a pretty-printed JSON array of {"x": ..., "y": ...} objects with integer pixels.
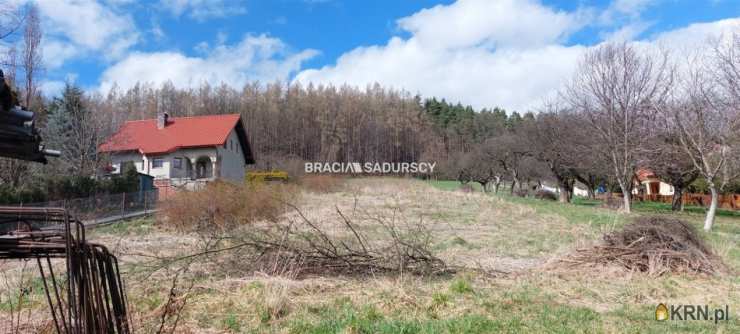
[
  {"x": 78, "y": 186},
  {"x": 10, "y": 195},
  {"x": 221, "y": 205}
]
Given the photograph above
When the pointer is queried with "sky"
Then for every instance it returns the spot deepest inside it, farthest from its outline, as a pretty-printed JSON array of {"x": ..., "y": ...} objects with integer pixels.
[{"x": 513, "y": 54}]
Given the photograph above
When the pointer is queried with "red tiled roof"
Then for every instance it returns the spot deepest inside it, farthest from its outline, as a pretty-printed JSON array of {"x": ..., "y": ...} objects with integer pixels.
[
  {"x": 180, "y": 132},
  {"x": 645, "y": 174}
]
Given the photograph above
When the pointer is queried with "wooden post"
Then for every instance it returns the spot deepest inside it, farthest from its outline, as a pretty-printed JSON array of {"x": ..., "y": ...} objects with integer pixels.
[
  {"x": 144, "y": 200},
  {"x": 123, "y": 204}
]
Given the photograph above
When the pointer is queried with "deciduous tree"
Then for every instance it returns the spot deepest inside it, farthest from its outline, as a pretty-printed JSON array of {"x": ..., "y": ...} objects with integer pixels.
[{"x": 616, "y": 88}]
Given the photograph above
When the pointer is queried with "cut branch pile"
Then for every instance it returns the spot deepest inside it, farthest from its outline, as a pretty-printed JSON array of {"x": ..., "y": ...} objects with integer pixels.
[
  {"x": 653, "y": 245},
  {"x": 376, "y": 244}
]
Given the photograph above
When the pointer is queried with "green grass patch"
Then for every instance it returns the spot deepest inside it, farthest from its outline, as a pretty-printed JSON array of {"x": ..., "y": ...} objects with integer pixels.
[
  {"x": 139, "y": 226},
  {"x": 595, "y": 217},
  {"x": 452, "y": 185},
  {"x": 31, "y": 294},
  {"x": 523, "y": 311},
  {"x": 461, "y": 285}
]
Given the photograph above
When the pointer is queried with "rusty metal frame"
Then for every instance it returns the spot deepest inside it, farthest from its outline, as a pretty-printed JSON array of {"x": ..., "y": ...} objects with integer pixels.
[{"x": 95, "y": 297}]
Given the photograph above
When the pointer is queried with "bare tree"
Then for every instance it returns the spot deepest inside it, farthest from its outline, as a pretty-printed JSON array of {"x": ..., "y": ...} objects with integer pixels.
[
  {"x": 726, "y": 69},
  {"x": 31, "y": 52},
  {"x": 616, "y": 88},
  {"x": 708, "y": 121},
  {"x": 509, "y": 152},
  {"x": 482, "y": 167},
  {"x": 552, "y": 140},
  {"x": 669, "y": 162}
]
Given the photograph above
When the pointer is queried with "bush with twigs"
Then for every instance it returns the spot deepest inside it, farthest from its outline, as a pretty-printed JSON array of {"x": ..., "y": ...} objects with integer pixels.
[{"x": 222, "y": 205}]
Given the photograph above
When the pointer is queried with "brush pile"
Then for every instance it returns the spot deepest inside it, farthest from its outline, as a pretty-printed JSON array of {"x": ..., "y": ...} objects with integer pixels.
[
  {"x": 653, "y": 245},
  {"x": 374, "y": 244}
]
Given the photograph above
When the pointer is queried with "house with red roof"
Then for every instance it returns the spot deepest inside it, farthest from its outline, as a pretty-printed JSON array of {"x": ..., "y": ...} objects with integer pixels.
[
  {"x": 182, "y": 150},
  {"x": 650, "y": 184}
]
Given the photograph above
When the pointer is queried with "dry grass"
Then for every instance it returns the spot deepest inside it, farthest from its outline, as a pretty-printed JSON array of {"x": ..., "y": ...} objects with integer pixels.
[
  {"x": 321, "y": 184},
  {"x": 502, "y": 234}
]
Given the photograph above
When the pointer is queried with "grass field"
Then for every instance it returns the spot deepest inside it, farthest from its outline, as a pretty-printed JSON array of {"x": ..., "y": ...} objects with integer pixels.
[{"x": 516, "y": 239}]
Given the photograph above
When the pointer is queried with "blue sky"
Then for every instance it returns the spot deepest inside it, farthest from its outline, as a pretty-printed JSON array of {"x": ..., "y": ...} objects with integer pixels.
[{"x": 482, "y": 52}]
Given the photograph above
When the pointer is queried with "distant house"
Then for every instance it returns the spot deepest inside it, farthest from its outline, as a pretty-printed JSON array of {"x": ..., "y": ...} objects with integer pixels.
[
  {"x": 182, "y": 151},
  {"x": 646, "y": 181}
]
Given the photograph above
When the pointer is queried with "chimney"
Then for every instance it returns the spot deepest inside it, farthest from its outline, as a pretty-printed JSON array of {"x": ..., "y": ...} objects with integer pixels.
[{"x": 162, "y": 120}]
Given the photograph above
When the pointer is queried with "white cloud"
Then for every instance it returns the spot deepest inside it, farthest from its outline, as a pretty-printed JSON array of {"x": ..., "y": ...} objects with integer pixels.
[
  {"x": 619, "y": 8},
  {"x": 202, "y": 10},
  {"x": 627, "y": 32},
  {"x": 626, "y": 16},
  {"x": 157, "y": 31},
  {"x": 51, "y": 87},
  {"x": 260, "y": 58},
  {"x": 87, "y": 23},
  {"x": 695, "y": 35},
  {"x": 485, "y": 53},
  {"x": 503, "y": 23},
  {"x": 56, "y": 53},
  {"x": 78, "y": 27}
]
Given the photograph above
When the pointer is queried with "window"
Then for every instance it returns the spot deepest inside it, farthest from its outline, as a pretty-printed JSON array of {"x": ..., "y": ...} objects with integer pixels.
[
  {"x": 157, "y": 163},
  {"x": 177, "y": 163}
]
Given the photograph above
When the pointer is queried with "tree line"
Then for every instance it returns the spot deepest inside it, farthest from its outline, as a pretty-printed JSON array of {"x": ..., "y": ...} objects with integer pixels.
[{"x": 627, "y": 107}]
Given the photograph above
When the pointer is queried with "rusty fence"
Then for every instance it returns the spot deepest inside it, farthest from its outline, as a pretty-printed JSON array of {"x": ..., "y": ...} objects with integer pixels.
[
  {"x": 730, "y": 201},
  {"x": 104, "y": 206}
]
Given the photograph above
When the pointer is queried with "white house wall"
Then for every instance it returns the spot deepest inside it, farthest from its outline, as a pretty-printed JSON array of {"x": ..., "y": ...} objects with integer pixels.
[
  {"x": 665, "y": 189},
  {"x": 119, "y": 158},
  {"x": 232, "y": 159},
  {"x": 580, "y": 192},
  {"x": 159, "y": 172},
  {"x": 230, "y": 162}
]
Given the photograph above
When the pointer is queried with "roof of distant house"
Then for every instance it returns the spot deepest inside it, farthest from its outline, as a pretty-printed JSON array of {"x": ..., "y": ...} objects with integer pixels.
[
  {"x": 644, "y": 174},
  {"x": 178, "y": 133}
]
